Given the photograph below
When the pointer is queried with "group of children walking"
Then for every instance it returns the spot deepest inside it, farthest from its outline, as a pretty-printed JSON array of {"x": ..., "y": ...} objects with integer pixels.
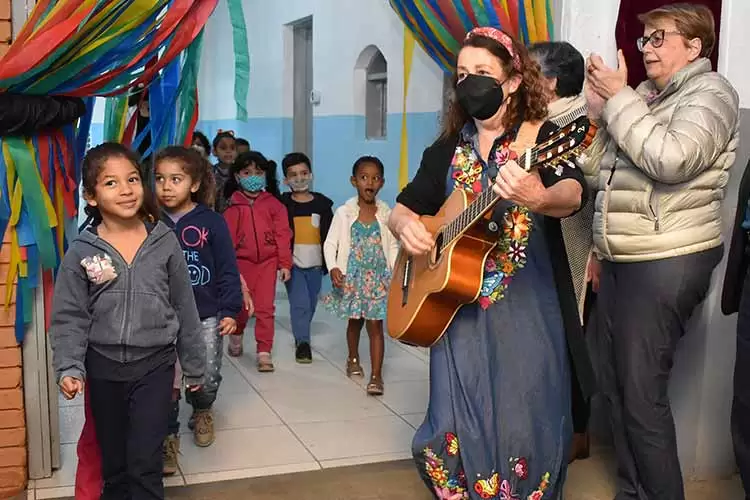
[{"x": 150, "y": 287}]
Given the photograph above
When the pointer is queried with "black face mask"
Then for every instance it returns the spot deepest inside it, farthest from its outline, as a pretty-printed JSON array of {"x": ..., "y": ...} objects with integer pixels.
[{"x": 480, "y": 96}]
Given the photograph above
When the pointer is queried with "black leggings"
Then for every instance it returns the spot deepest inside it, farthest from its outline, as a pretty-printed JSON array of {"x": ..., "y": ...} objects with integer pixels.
[
  {"x": 581, "y": 405},
  {"x": 131, "y": 423}
]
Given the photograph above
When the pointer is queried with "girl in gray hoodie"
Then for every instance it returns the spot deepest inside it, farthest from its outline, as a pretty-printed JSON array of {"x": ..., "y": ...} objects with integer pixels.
[{"x": 123, "y": 311}]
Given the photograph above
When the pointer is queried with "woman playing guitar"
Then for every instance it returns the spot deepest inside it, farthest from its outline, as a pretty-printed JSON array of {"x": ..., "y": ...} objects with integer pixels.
[{"x": 499, "y": 413}]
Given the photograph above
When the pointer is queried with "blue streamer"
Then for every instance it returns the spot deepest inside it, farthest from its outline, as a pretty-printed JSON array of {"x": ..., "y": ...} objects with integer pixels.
[{"x": 19, "y": 323}]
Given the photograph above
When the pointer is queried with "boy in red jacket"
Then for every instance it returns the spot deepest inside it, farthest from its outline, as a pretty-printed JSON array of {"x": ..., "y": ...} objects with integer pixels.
[{"x": 259, "y": 226}]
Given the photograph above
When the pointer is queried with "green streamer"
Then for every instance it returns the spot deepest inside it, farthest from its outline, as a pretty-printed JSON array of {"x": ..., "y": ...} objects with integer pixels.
[
  {"x": 188, "y": 88},
  {"x": 114, "y": 110},
  {"x": 241, "y": 57},
  {"x": 32, "y": 189}
]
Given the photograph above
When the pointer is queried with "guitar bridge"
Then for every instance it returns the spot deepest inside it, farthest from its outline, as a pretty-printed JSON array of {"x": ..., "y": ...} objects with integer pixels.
[{"x": 405, "y": 280}]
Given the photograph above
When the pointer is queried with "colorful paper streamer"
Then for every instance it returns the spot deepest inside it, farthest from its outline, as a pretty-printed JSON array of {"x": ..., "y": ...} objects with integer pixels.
[
  {"x": 439, "y": 26},
  {"x": 87, "y": 48}
]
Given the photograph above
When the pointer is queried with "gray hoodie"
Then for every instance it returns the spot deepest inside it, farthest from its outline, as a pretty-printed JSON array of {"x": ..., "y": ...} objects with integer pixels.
[{"x": 125, "y": 312}]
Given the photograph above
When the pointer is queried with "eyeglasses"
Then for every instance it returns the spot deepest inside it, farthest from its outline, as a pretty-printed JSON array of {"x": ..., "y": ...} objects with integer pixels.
[{"x": 656, "y": 38}]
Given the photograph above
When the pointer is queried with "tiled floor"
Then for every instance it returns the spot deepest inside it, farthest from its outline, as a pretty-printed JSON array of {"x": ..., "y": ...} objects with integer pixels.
[{"x": 300, "y": 418}]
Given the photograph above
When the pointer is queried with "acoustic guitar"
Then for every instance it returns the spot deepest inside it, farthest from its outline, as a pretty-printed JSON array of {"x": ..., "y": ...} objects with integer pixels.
[{"x": 427, "y": 291}]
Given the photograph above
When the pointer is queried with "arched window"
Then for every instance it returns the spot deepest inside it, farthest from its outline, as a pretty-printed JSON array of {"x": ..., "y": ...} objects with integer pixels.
[{"x": 372, "y": 70}]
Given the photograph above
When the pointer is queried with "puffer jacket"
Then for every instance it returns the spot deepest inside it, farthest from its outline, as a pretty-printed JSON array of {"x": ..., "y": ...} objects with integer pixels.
[{"x": 665, "y": 168}]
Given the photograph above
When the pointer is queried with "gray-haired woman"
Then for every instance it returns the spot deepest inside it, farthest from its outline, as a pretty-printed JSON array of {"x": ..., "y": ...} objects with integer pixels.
[{"x": 563, "y": 73}]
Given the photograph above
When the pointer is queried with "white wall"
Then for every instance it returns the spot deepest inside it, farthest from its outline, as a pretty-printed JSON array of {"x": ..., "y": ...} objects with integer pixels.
[{"x": 341, "y": 30}]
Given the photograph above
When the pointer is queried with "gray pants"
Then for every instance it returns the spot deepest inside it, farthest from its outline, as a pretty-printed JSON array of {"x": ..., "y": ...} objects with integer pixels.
[
  {"x": 205, "y": 397},
  {"x": 643, "y": 309}
]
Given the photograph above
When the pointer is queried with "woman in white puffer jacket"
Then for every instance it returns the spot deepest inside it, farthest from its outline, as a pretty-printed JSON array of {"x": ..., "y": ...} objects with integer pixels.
[{"x": 657, "y": 227}]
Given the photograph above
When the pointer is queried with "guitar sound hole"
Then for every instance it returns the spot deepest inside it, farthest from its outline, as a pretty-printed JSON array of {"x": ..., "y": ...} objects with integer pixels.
[{"x": 438, "y": 251}]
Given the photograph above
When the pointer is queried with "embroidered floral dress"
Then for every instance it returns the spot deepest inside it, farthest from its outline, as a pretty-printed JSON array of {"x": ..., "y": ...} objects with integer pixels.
[
  {"x": 365, "y": 290},
  {"x": 498, "y": 422}
]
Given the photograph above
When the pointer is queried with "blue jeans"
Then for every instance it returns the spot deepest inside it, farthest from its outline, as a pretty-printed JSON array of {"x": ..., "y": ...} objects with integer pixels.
[{"x": 303, "y": 290}]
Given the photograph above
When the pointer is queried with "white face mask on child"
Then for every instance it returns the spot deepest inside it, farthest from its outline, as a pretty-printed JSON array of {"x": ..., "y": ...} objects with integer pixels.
[{"x": 300, "y": 184}]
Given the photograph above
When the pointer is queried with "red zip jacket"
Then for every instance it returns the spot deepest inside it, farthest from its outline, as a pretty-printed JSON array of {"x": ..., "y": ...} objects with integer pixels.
[{"x": 260, "y": 229}]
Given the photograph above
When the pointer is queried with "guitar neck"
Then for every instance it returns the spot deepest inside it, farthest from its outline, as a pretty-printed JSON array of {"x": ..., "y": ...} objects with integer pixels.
[{"x": 483, "y": 203}]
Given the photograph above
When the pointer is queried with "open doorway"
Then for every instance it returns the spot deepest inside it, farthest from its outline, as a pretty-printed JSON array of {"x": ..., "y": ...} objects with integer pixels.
[{"x": 302, "y": 113}]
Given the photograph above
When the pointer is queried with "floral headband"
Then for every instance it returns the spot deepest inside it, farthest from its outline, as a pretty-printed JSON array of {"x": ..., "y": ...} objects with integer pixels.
[
  {"x": 229, "y": 132},
  {"x": 501, "y": 38}
]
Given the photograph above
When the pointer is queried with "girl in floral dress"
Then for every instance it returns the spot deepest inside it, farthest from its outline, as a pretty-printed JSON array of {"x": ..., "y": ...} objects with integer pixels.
[{"x": 360, "y": 251}]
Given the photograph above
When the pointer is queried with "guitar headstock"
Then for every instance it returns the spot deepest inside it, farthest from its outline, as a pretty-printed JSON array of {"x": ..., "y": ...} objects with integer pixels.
[{"x": 564, "y": 143}]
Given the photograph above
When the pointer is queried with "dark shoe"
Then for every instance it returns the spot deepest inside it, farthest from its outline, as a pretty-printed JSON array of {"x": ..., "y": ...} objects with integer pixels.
[
  {"x": 353, "y": 368},
  {"x": 579, "y": 449},
  {"x": 304, "y": 353},
  {"x": 375, "y": 387},
  {"x": 170, "y": 452}
]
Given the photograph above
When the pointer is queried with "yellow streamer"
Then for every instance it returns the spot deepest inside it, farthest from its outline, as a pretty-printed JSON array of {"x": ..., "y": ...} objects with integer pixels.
[
  {"x": 15, "y": 260},
  {"x": 530, "y": 21},
  {"x": 403, "y": 171},
  {"x": 540, "y": 16}
]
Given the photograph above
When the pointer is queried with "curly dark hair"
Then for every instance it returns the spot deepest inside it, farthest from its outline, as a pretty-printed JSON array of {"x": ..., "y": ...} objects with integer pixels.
[
  {"x": 196, "y": 167},
  {"x": 527, "y": 103},
  {"x": 93, "y": 163},
  {"x": 256, "y": 158}
]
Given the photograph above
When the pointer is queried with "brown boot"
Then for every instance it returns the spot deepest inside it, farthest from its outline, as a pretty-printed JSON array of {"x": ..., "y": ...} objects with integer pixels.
[
  {"x": 170, "y": 452},
  {"x": 203, "y": 434},
  {"x": 579, "y": 449}
]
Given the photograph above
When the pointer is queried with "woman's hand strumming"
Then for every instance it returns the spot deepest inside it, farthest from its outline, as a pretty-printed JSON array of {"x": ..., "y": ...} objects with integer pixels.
[{"x": 415, "y": 238}]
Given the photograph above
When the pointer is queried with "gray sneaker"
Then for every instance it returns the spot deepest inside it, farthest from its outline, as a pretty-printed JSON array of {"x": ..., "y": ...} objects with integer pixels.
[{"x": 203, "y": 433}]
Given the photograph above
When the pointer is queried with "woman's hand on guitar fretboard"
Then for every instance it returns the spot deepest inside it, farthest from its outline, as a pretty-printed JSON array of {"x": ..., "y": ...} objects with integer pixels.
[{"x": 523, "y": 188}]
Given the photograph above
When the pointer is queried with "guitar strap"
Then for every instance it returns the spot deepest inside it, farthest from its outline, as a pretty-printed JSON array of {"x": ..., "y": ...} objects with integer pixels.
[{"x": 526, "y": 138}]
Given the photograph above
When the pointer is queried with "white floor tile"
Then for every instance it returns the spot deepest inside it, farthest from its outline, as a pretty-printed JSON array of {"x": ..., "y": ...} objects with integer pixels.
[
  {"x": 66, "y": 475},
  {"x": 233, "y": 382},
  {"x": 230, "y": 475},
  {"x": 60, "y": 492},
  {"x": 291, "y": 375},
  {"x": 244, "y": 449},
  {"x": 406, "y": 397},
  {"x": 356, "y": 438},
  {"x": 235, "y": 411},
  {"x": 367, "y": 459},
  {"x": 174, "y": 481},
  {"x": 414, "y": 419},
  {"x": 324, "y": 404},
  {"x": 71, "y": 423}
]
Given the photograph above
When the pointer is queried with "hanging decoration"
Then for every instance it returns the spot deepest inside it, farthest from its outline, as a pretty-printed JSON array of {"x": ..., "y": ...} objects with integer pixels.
[
  {"x": 440, "y": 25},
  {"x": 87, "y": 48},
  {"x": 403, "y": 168},
  {"x": 241, "y": 57}
]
